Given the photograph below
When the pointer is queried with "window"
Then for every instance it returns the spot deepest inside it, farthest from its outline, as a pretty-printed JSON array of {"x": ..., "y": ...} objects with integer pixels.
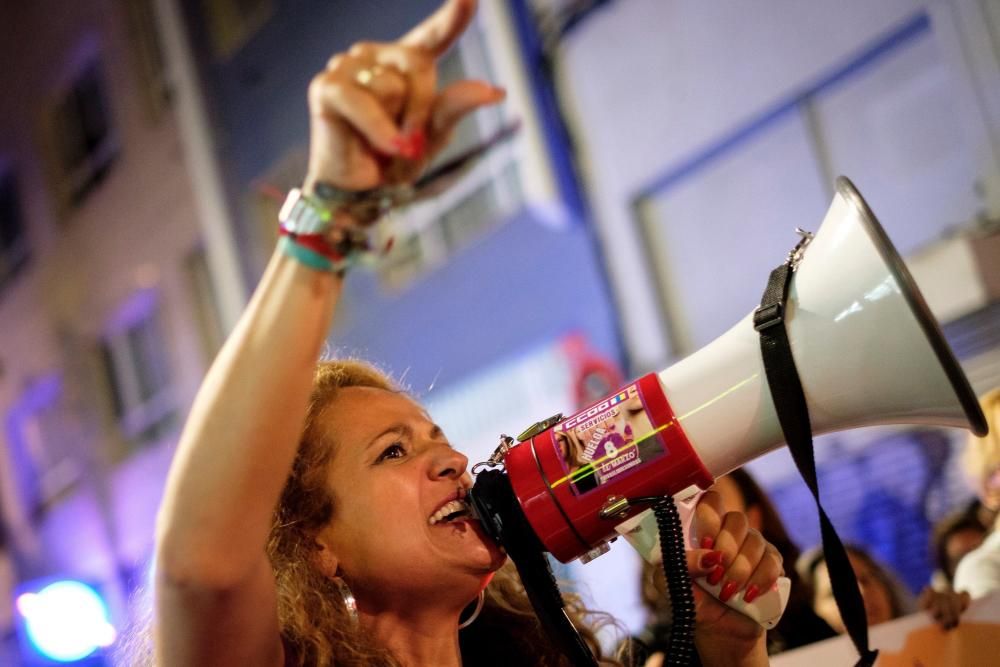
[
  {"x": 83, "y": 141},
  {"x": 13, "y": 240},
  {"x": 137, "y": 369}
]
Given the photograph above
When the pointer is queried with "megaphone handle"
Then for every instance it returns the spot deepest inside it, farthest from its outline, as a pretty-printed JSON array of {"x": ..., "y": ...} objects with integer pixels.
[{"x": 767, "y": 608}]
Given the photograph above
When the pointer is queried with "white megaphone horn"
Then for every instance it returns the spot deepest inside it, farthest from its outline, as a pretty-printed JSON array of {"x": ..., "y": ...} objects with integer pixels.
[{"x": 867, "y": 349}]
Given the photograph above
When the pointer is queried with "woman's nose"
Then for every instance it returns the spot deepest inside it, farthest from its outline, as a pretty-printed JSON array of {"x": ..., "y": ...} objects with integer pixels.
[{"x": 448, "y": 463}]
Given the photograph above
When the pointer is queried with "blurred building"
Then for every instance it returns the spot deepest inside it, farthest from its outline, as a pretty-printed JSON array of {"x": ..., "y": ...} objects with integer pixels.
[
  {"x": 106, "y": 311},
  {"x": 667, "y": 152}
]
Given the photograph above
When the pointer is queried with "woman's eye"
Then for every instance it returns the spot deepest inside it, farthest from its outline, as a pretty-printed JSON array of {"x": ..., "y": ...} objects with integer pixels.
[{"x": 393, "y": 451}]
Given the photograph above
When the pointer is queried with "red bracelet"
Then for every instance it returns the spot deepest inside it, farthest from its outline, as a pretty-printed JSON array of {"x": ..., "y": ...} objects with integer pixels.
[{"x": 315, "y": 242}]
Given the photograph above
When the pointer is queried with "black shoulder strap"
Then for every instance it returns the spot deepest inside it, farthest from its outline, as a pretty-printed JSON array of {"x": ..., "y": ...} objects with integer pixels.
[
  {"x": 793, "y": 414},
  {"x": 498, "y": 508}
]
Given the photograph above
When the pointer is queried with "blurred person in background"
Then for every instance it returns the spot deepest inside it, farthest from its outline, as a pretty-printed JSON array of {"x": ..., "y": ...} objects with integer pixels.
[
  {"x": 799, "y": 625},
  {"x": 953, "y": 537},
  {"x": 314, "y": 514},
  {"x": 978, "y": 573},
  {"x": 885, "y": 597}
]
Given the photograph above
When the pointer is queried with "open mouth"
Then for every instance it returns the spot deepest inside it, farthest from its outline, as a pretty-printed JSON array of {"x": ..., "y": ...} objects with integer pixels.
[{"x": 453, "y": 510}]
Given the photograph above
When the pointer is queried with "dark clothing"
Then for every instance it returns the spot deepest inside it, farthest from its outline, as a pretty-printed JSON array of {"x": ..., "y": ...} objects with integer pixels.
[{"x": 798, "y": 626}]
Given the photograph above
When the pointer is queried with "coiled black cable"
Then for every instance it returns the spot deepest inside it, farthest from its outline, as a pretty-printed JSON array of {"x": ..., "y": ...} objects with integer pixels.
[{"x": 680, "y": 651}]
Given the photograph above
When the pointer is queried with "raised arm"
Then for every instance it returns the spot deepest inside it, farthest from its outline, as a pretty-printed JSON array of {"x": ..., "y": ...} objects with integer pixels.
[{"x": 216, "y": 599}]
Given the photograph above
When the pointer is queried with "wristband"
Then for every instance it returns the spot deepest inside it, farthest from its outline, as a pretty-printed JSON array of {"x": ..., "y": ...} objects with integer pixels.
[
  {"x": 318, "y": 243},
  {"x": 307, "y": 222},
  {"x": 305, "y": 256}
]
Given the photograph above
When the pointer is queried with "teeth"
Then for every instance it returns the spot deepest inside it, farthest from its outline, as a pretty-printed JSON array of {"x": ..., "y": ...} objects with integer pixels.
[{"x": 451, "y": 507}]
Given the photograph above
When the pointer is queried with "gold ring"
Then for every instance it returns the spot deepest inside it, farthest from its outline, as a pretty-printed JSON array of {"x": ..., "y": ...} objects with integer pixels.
[{"x": 368, "y": 74}]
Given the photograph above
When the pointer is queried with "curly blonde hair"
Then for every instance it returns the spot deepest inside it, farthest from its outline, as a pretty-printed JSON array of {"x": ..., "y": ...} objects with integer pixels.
[{"x": 316, "y": 627}]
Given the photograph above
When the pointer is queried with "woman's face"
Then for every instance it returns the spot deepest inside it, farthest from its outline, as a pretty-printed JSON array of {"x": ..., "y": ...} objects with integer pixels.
[
  {"x": 392, "y": 475},
  {"x": 878, "y": 602}
]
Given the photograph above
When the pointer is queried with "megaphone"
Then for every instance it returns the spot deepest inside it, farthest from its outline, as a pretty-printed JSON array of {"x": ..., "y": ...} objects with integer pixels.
[{"x": 867, "y": 352}]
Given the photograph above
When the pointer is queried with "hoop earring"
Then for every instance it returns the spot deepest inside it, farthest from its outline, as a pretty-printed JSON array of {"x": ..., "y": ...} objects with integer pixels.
[
  {"x": 347, "y": 597},
  {"x": 475, "y": 612}
]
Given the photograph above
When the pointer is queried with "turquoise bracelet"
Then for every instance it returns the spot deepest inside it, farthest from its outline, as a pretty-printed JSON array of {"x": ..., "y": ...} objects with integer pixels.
[{"x": 305, "y": 256}]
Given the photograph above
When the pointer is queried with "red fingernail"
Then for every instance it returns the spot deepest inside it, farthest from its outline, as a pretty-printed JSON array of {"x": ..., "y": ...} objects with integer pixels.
[
  {"x": 710, "y": 560},
  {"x": 418, "y": 144},
  {"x": 752, "y": 593},
  {"x": 707, "y": 542},
  {"x": 715, "y": 576},
  {"x": 728, "y": 590},
  {"x": 402, "y": 145}
]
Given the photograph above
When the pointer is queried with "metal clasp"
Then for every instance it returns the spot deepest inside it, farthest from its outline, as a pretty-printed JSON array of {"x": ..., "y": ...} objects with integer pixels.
[
  {"x": 798, "y": 252},
  {"x": 498, "y": 455}
]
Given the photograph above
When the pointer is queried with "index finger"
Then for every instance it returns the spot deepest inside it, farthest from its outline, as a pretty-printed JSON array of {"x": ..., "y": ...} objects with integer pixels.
[
  {"x": 440, "y": 30},
  {"x": 708, "y": 514}
]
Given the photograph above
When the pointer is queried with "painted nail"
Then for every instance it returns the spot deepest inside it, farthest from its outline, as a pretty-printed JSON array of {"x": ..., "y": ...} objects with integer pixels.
[
  {"x": 710, "y": 560},
  {"x": 752, "y": 592},
  {"x": 707, "y": 542},
  {"x": 418, "y": 144},
  {"x": 715, "y": 576},
  {"x": 402, "y": 145},
  {"x": 728, "y": 590}
]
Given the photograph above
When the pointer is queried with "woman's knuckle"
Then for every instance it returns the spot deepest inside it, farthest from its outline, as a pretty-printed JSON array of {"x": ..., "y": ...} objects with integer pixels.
[
  {"x": 741, "y": 568},
  {"x": 362, "y": 49},
  {"x": 336, "y": 62},
  {"x": 736, "y": 521},
  {"x": 317, "y": 88}
]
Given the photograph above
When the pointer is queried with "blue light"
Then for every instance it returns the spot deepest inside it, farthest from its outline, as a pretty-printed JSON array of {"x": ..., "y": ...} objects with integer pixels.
[{"x": 66, "y": 620}]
